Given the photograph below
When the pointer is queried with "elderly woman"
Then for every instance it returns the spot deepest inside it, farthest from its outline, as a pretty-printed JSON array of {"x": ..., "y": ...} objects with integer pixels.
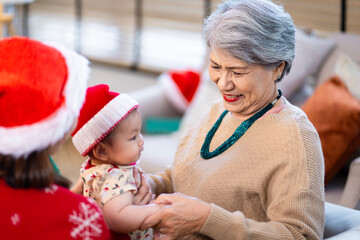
[{"x": 253, "y": 168}]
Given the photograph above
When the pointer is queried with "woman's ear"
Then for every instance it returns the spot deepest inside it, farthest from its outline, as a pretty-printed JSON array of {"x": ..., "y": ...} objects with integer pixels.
[
  {"x": 100, "y": 152},
  {"x": 278, "y": 71}
]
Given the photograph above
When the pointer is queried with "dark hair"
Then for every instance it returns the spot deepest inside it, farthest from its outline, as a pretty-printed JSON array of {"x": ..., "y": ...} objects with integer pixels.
[{"x": 34, "y": 171}]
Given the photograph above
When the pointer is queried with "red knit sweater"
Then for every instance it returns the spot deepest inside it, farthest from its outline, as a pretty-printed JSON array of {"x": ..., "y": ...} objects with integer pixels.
[{"x": 52, "y": 213}]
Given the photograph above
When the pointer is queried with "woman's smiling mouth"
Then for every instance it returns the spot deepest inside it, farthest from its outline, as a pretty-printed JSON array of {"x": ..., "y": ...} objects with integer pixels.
[{"x": 231, "y": 98}]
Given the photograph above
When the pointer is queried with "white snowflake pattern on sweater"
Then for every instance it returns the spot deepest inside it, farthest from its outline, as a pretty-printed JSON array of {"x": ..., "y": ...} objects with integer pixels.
[
  {"x": 86, "y": 222},
  {"x": 51, "y": 190},
  {"x": 15, "y": 219}
]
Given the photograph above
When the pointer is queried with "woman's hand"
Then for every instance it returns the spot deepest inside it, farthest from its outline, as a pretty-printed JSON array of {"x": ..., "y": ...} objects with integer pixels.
[
  {"x": 143, "y": 195},
  {"x": 78, "y": 187},
  {"x": 181, "y": 216}
]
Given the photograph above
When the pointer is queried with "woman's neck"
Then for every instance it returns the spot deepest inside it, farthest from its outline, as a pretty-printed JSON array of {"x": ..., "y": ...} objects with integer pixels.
[{"x": 261, "y": 105}]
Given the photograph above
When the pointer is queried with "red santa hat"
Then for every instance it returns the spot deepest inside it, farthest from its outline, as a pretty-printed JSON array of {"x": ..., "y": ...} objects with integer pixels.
[
  {"x": 102, "y": 111},
  {"x": 42, "y": 89},
  {"x": 180, "y": 87}
]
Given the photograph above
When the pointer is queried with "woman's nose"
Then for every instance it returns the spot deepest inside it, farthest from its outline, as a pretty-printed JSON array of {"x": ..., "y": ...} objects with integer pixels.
[{"x": 225, "y": 82}]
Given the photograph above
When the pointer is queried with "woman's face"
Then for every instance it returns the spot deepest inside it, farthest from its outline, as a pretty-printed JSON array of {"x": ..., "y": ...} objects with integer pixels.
[{"x": 245, "y": 88}]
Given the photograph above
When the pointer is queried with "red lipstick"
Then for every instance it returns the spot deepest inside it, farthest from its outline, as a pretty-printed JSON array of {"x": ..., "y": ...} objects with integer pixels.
[{"x": 231, "y": 98}]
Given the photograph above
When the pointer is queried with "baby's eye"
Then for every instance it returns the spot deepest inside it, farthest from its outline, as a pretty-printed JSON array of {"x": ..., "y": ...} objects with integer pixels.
[{"x": 133, "y": 138}]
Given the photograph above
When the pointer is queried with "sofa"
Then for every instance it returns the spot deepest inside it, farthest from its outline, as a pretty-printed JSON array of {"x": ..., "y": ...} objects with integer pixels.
[{"x": 324, "y": 81}]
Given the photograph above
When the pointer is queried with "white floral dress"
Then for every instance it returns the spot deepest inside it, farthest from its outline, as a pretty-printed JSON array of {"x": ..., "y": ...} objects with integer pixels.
[{"x": 105, "y": 181}]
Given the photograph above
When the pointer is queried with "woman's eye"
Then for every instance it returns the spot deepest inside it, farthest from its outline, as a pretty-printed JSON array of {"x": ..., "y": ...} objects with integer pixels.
[
  {"x": 215, "y": 67},
  {"x": 238, "y": 74}
]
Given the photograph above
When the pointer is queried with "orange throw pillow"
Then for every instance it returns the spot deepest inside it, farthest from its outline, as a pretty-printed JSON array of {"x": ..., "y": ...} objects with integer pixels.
[{"x": 335, "y": 114}]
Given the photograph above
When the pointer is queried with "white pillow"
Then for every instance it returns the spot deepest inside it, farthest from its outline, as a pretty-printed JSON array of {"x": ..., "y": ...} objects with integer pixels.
[
  {"x": 349, "y": 72},
  {"x": 310, "y": 52}
]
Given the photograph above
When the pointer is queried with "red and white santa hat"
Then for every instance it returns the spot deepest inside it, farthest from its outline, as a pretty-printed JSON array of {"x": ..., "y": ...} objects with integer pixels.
[
  {"x": 180, "y": 87},
  {"x": 42, "y": 89},
  {"x": 102, "y": 111}
]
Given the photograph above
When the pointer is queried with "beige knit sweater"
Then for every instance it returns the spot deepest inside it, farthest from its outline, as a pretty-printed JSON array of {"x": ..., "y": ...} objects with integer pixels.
[{"x": 268, "y": 185}]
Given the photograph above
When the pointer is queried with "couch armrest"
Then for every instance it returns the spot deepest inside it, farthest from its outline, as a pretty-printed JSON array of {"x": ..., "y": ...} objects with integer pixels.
[
  {"x": 340, "y": 221},
  {"x": 351, "y": 194},
  {"x": 154, "y": 103}
]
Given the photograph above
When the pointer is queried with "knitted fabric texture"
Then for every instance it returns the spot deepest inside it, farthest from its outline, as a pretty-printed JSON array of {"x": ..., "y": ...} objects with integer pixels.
[
  {"x": 50, "y": 213},
  {"x": 268, "y": 185},
  {"x": 102, "y": 111},
  {"x": 240, "y": 130}
]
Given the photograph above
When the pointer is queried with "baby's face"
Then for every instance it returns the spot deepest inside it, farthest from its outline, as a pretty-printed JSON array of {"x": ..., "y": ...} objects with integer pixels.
[{"x": 127, "y": 141}]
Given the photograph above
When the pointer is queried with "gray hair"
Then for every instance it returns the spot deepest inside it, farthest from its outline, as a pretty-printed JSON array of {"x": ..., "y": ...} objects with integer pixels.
[{"x": 255, "y": 31}]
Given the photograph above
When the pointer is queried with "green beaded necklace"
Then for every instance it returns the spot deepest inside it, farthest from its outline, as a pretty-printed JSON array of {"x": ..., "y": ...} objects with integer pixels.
[{"x": 240, "y": 130}]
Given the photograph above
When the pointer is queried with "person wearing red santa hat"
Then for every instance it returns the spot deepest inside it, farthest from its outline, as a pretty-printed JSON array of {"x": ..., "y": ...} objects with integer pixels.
[
  {"x": 42, "y": 89},
  {"x": 108, "y": 131}
]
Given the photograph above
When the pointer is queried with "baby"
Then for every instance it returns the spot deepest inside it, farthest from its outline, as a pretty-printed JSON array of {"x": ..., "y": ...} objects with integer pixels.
[{"x": 108, "y": 132}]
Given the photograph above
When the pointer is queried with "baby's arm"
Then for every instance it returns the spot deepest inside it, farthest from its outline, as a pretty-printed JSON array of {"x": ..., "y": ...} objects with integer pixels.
[{"x": 123, "y": 217}]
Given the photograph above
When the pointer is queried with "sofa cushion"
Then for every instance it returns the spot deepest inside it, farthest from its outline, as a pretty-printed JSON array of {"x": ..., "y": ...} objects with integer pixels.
[
  {"x": 159, "y": 152},
  {"x": 341, "y": 222},
  {"x": 346, "y": 43},
  {"x": 349, "y": 72},
  {"x": 300, "y": 96},
  {"x": 335, "y": 114},
  {"x": 310, "y": 54}
]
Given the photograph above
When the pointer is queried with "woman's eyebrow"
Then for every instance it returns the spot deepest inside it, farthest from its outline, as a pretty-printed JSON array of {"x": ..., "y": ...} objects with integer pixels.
[
  {"x": 237, "y": 67},
  {"x": 231, "y": 67},
  {"x": 213, "y": 62}
]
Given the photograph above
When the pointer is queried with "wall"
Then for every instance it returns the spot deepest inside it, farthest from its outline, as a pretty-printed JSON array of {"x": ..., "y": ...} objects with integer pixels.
[{"x": 158, "y": 34}]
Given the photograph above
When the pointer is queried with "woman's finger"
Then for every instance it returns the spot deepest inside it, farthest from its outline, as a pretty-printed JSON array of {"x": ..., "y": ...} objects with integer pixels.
[
  {"x": 146, "y": 188},
  {"x": 181, "y": 216},
  {"x": 136, "y": 175},
  {"x": 152, "y": 220},
  {"x": 146, "y": 199},
  {"x": 143, "y": 195},
  {"x": 168, "y": 198}
]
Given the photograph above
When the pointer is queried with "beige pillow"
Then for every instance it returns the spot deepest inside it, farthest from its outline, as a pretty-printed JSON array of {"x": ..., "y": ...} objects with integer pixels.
[
  {"x": 346, "y": 43},
  {"x": 349, "y": 72},
  {"x": 310, "y": 52}
]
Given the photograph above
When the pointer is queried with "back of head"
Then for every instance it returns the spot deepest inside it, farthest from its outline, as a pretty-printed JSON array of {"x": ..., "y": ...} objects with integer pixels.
[
  {"x": 42, "y": 89},
  {"x": 255, "y": 31},
  {"x": 102, "y": 111}
]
